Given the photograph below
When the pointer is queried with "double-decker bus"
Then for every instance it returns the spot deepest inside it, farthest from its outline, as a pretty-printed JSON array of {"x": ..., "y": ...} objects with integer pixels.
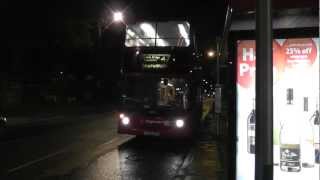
[{"x": 161, "y": 81}]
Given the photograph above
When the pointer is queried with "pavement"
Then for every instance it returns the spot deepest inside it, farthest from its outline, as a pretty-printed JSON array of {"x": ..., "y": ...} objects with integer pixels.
[
  {"x": 207, "y": 160},
  {"x": 203, "y": 163}
]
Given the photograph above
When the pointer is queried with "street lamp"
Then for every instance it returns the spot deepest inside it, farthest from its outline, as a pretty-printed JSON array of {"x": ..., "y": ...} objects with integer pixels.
[
  {"x": 118, "y": 16},
  {"x": 210, "y": 53}
]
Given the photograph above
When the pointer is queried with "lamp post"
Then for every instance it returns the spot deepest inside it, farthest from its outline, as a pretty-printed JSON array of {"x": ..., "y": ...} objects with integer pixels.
[
  {"x": 218, "y": 94},
  {"x": 218, "y": 64},
  {"x": 217, "y": 101},
  {"x": 216, "y": 53},
  {"x": 118, "y": 17}
]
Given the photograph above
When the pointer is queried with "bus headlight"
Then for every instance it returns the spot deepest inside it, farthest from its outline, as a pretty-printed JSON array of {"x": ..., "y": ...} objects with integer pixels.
[
  {"x": 121, "y": 116},
  {"x": 179, "y": 123},
  {"x": 125, "y": 120}
]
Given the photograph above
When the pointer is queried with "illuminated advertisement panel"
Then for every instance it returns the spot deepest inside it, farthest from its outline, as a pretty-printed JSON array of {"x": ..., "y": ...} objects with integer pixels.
[{"x": 296, "y": 109}]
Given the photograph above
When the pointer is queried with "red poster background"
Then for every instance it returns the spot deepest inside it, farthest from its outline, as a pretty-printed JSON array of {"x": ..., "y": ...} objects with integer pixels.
[{"x": 246, "y": 62}]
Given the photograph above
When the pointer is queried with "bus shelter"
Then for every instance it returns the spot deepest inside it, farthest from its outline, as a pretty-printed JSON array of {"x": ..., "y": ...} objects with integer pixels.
[{"x": 295, "y": 49}]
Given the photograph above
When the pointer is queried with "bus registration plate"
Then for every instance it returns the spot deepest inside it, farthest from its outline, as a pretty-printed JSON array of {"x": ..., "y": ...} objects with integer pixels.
[{"x": 149, "y": 133}]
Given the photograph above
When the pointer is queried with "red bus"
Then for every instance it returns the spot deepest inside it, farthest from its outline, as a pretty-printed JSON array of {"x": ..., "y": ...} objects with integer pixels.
[{"x": 161, "y": 81}]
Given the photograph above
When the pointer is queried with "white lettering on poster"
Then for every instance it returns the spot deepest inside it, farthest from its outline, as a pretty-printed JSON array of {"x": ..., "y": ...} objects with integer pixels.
[
  {"x": 250, "y": 54},
  {"x": 245, "y": 68}
]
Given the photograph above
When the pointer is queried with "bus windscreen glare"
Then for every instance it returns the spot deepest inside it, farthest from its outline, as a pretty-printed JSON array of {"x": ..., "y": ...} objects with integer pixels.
[{"x": 159, "y": 34}]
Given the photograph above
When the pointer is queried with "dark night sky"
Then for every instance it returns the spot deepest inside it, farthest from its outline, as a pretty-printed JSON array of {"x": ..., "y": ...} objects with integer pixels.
[
  {"x": 47, "y": 37},
  {"x": 35, "y": 19},
  {"x": 49, "y": 31},
  {"x": 67, "y": 23}
]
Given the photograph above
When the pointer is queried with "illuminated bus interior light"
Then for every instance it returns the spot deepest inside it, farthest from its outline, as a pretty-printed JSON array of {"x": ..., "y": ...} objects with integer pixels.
[
  {"x": 184, "y": 34},
  {"x": 161, "y": 42},
  {"x": 142, "y": 41},
  {"x": 131, "y": 33},
  {"x": 165, "y": 35},
  {"x": 148, "y": 30}
]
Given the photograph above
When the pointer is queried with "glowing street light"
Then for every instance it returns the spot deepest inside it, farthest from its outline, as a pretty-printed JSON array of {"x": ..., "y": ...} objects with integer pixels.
[
  {"x": 117, "y": 16},
  {"x": 210, "y": 54}
]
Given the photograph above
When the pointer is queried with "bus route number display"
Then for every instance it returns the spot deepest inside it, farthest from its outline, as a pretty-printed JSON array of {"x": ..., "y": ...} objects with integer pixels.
[{"x": 155, "y": 61}]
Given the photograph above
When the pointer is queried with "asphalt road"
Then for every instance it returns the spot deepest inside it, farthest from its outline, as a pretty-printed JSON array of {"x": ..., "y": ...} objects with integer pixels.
[{"x": 88, "y": 147}]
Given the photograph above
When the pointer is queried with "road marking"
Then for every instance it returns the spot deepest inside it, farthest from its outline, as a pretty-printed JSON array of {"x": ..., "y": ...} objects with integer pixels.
[
  {"x": 36, "y": 161},
  {"x": 53, "y": 117},
  {"x": 30, "y": 163},
  {"x": 103, "y": 150}
]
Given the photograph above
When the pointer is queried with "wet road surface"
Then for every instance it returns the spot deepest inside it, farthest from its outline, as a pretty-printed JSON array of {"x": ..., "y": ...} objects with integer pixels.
[
  {"x": 89, "y": 148},
  {"x": 137, "y": 159}
]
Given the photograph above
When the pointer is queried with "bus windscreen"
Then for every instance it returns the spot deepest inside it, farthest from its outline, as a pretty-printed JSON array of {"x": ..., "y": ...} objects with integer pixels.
[{"x": 160, "y": 34}]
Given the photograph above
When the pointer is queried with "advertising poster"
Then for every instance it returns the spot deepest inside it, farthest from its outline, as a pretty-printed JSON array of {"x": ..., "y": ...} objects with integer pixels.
[{"x": 296, "y": 109}]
